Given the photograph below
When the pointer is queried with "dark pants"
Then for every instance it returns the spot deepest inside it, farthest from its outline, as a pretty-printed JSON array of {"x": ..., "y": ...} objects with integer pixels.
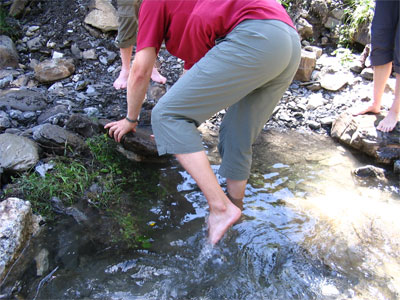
[{"x": 385, "y": 34}]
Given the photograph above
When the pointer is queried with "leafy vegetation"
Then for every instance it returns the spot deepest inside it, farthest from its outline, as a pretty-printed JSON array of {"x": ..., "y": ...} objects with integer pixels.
[
  {"x": 70, "y": 181},
  {"x": 356, "y": 14},
  {"x": 5, "y": 27}
]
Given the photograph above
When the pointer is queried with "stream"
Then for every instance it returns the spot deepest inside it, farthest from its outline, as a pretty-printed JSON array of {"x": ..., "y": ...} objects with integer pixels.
[{"x": 309, "y": 230}]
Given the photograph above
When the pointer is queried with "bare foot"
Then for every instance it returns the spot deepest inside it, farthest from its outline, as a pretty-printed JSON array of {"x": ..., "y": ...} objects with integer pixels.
[
  {"x": 389, "y": 122},
  {"x": 122, "y": 80},
  {"x": 366, "y": 109},
  {"x": 220, "y": 221},
  {"x": 157, "y": 77}
]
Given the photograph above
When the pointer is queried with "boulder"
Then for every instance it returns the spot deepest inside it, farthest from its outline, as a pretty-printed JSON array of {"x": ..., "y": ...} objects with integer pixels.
[
  {"x": 53, "y": 138},
  {"x": 8, "y": 53},
  {"x": 52, "y": 70},
  {"x": 23, "y": 100},
  {"x": 17, "y": 153},
  {"x": 103, "y": 16},
  {"x": 17, "y": 225},
  {"x": 17, "y": 7},
  {"x": 83, "y": 125},
  {"x": 359, "y": 132},
  {"x": 307, "y": 66}
]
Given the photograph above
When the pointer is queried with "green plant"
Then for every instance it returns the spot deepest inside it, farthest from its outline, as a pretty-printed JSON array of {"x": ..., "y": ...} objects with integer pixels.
[
  {"x": 356, "y": 14},
  {"x": 5, "y": 27},
  {"x": 345, "y": 55},
  {"x": 65, "y": 181},
  {"x": 130, "y": 233}
]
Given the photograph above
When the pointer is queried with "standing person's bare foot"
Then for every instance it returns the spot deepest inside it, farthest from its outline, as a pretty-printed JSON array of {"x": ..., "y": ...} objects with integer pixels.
[
  {"x": 157, "y": 77},
  {"x": 366, "y": 109},
  {"x": 122, "y": 80},
  {"x": 389, "y": 122},
  {"x": 219, "y": 221}
]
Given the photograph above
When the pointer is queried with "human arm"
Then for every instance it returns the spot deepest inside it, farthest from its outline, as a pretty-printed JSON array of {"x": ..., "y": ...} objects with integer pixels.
[{"x": 138, "y": 81}]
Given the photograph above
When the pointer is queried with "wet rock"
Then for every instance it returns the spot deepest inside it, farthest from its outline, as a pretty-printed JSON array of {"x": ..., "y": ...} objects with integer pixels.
[
  {"x": 23, "y": 99},
  {"x": 370, "y": 171},
  {"x": 53, "y": 138},
  {"x": 307, "y": 66},
  {"x": 360, "y": 133},
  {"x": 103, "y": 16},
  {"x": 17, "y": 153},
  {"x": 54, "y": 69},
  {"x": 8, "y": 53},
  {"x": 17, "y": 225},
  {"x": 84, "y": 125},
  {"x": 140, "y": 142}
]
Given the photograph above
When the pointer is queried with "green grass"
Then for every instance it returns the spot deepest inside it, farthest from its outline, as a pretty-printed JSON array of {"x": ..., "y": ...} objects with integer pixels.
[{"x": 124, "y": 188}]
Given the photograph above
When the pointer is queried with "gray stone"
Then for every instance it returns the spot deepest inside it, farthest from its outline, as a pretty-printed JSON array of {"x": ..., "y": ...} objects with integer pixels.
[
  {"x": 83, "y": 125},
  {"x": 332, "y": 23},
  {"x": 370, "y": 171},
  {"x": 53, "y": 138},
  {"x": 8, "y": 53},
  {"x": 367, "y": 73},
  {"x": 17, "y": 7},
  {"x": 17, "y": 225},
  {"x": 304, "y": 28},
  {"x": 360, "y": 133},
  {"x": 89, "y": 54},
  {"x": 49, "y": 114},
  {"x": 103, "y": 16},
  {"x": 35, "y": 44},
  {"x": 23, "y": 99},
  {"x": 54, "y": 69},
  {"x": 17, "y": 153},
  {"x": 333, "y": 81}
]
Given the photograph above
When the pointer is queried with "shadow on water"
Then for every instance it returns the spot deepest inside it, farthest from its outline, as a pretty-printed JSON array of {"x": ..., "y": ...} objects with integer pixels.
[{"x": 309, "y": 230}]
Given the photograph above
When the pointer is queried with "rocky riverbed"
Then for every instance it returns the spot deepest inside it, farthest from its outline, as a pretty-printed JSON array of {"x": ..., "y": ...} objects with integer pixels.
[{"x": 56, "y": 87}]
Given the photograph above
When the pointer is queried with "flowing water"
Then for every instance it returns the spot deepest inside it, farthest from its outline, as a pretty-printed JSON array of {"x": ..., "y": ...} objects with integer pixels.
[{"x": 309, "y": 230}]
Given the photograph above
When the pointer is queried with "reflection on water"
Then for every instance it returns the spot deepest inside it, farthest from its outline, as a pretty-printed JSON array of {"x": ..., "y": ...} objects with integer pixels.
[{"x": 309, "y": 230}]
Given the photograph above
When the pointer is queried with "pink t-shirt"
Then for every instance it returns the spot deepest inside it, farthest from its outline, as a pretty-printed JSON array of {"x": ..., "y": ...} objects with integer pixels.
[{"x": 190, "y": 27}]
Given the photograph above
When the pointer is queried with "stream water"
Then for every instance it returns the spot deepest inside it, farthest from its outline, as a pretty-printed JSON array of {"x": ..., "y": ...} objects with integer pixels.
[{"x": 309, "y": 230}]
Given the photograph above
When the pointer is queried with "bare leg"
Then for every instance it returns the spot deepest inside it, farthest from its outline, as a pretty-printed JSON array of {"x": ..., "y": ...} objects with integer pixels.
[
  {"x": 236, "y": 189},
  {"x": 381, "y": 75},
  {"x": 390, "y": 121},
  {"x": 122, "y": 80},
  {"x": 223, "y": 213}
]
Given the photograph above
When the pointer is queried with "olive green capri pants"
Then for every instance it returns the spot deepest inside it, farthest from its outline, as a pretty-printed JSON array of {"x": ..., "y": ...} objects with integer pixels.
[{"x": 247, "y": 71}]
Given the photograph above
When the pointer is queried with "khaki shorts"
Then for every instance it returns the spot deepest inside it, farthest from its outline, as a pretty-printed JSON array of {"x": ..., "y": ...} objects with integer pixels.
[
  {"x": 127, "y": 23},
  {"x": 247, "y": 71}
]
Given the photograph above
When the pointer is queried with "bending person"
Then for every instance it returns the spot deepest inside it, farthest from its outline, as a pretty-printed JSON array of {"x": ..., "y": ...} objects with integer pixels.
[
  {"x": 239, "y": 54},
  {"x": 127, "y": 28},
  {"x": 385, "y": 53}
]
